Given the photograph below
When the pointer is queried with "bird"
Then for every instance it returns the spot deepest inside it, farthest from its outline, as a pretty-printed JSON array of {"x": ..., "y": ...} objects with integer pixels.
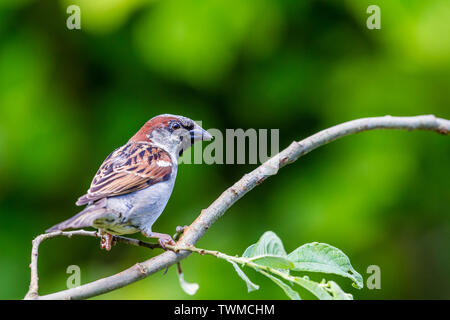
[{"x": 134, "y": 183}]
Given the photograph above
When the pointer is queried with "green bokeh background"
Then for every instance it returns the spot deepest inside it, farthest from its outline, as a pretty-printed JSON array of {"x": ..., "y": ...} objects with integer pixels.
[{"x": 69, "y": 97}]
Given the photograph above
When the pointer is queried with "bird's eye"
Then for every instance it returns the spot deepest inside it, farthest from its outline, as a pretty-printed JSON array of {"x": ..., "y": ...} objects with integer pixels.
[{"x": 176, "y": 126}]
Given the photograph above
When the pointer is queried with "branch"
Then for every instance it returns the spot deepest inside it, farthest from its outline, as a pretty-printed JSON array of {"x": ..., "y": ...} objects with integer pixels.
[
  {"x": 239, "y": 260},
  {"x": 323, "y": 290},
  {"x": 33, "y": 290},
  {"x": 210, "y": 215}
]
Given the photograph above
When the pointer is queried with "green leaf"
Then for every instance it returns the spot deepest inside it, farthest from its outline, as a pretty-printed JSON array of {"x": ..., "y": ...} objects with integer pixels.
[
  {"x": 268, "y": 251},
  {"x": 248, "y": 252},
  {"x": 337, "y": 292},
  {"x": 268, "y": 244},
  {"x": 276, "y": 262},
  {"x": 250, "y": 285},
  {"x": 291, "y": 293},
  {"x": 321, "y": 257},
  {"x": 189, "y": 288},
  {"x": 315, "y": 288}
]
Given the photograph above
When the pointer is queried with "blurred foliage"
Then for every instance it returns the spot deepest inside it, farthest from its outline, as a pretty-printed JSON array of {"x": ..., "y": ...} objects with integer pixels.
[{"x": 69, "y": 97}]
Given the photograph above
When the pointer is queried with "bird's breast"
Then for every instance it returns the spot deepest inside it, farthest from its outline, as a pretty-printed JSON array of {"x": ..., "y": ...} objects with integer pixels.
[{"x": 142, "y": 208}]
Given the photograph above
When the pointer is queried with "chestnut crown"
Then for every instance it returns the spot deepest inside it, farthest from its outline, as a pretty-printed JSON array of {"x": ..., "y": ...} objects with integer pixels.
[{"x": 174, "y": 133}]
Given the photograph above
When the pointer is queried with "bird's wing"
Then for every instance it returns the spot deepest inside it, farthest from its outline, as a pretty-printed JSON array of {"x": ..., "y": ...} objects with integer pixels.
[{"x": 132, "y": 167}]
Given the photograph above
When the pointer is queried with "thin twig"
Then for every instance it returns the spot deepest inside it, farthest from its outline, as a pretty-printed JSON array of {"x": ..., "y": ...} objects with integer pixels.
[
  {"x": 210, "y": 215},
  {"x": 34, "y": 286},
  {"x": 243, "y": 261}
]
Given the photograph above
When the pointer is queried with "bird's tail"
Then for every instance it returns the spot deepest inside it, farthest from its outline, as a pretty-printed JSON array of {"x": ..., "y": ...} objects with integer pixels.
[{"x": 81, "y": 220}]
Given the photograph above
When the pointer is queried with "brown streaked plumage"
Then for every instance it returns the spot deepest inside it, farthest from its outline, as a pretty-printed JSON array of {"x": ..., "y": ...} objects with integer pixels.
[{"x": 129, "y": 168}]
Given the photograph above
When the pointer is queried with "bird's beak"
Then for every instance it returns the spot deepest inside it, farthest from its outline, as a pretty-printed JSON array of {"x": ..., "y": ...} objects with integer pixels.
[{"x": 198, "y": 134}]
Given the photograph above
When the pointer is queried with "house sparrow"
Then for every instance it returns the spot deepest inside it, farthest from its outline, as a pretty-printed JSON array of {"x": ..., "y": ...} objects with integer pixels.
[{"x": 132, "y": 187}]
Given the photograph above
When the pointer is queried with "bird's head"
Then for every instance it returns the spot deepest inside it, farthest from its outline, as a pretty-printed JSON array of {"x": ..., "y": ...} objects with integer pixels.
[{"x": 173, "y": 133}]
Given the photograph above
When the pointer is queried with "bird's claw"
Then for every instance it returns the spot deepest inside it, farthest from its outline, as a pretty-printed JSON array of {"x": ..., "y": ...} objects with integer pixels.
[
  {"x": 163, "y": 241},
  {"x": 106, "y": 241}
]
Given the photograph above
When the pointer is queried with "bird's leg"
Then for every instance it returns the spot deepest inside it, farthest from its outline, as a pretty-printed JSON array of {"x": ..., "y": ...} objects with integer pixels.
[
  {"x": 105, "y": 242},
  {"x": 163, "y": 238}
]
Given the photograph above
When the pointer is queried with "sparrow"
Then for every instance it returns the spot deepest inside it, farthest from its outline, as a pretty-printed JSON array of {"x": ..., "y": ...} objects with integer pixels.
[{"x": 134, "y": 183}]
